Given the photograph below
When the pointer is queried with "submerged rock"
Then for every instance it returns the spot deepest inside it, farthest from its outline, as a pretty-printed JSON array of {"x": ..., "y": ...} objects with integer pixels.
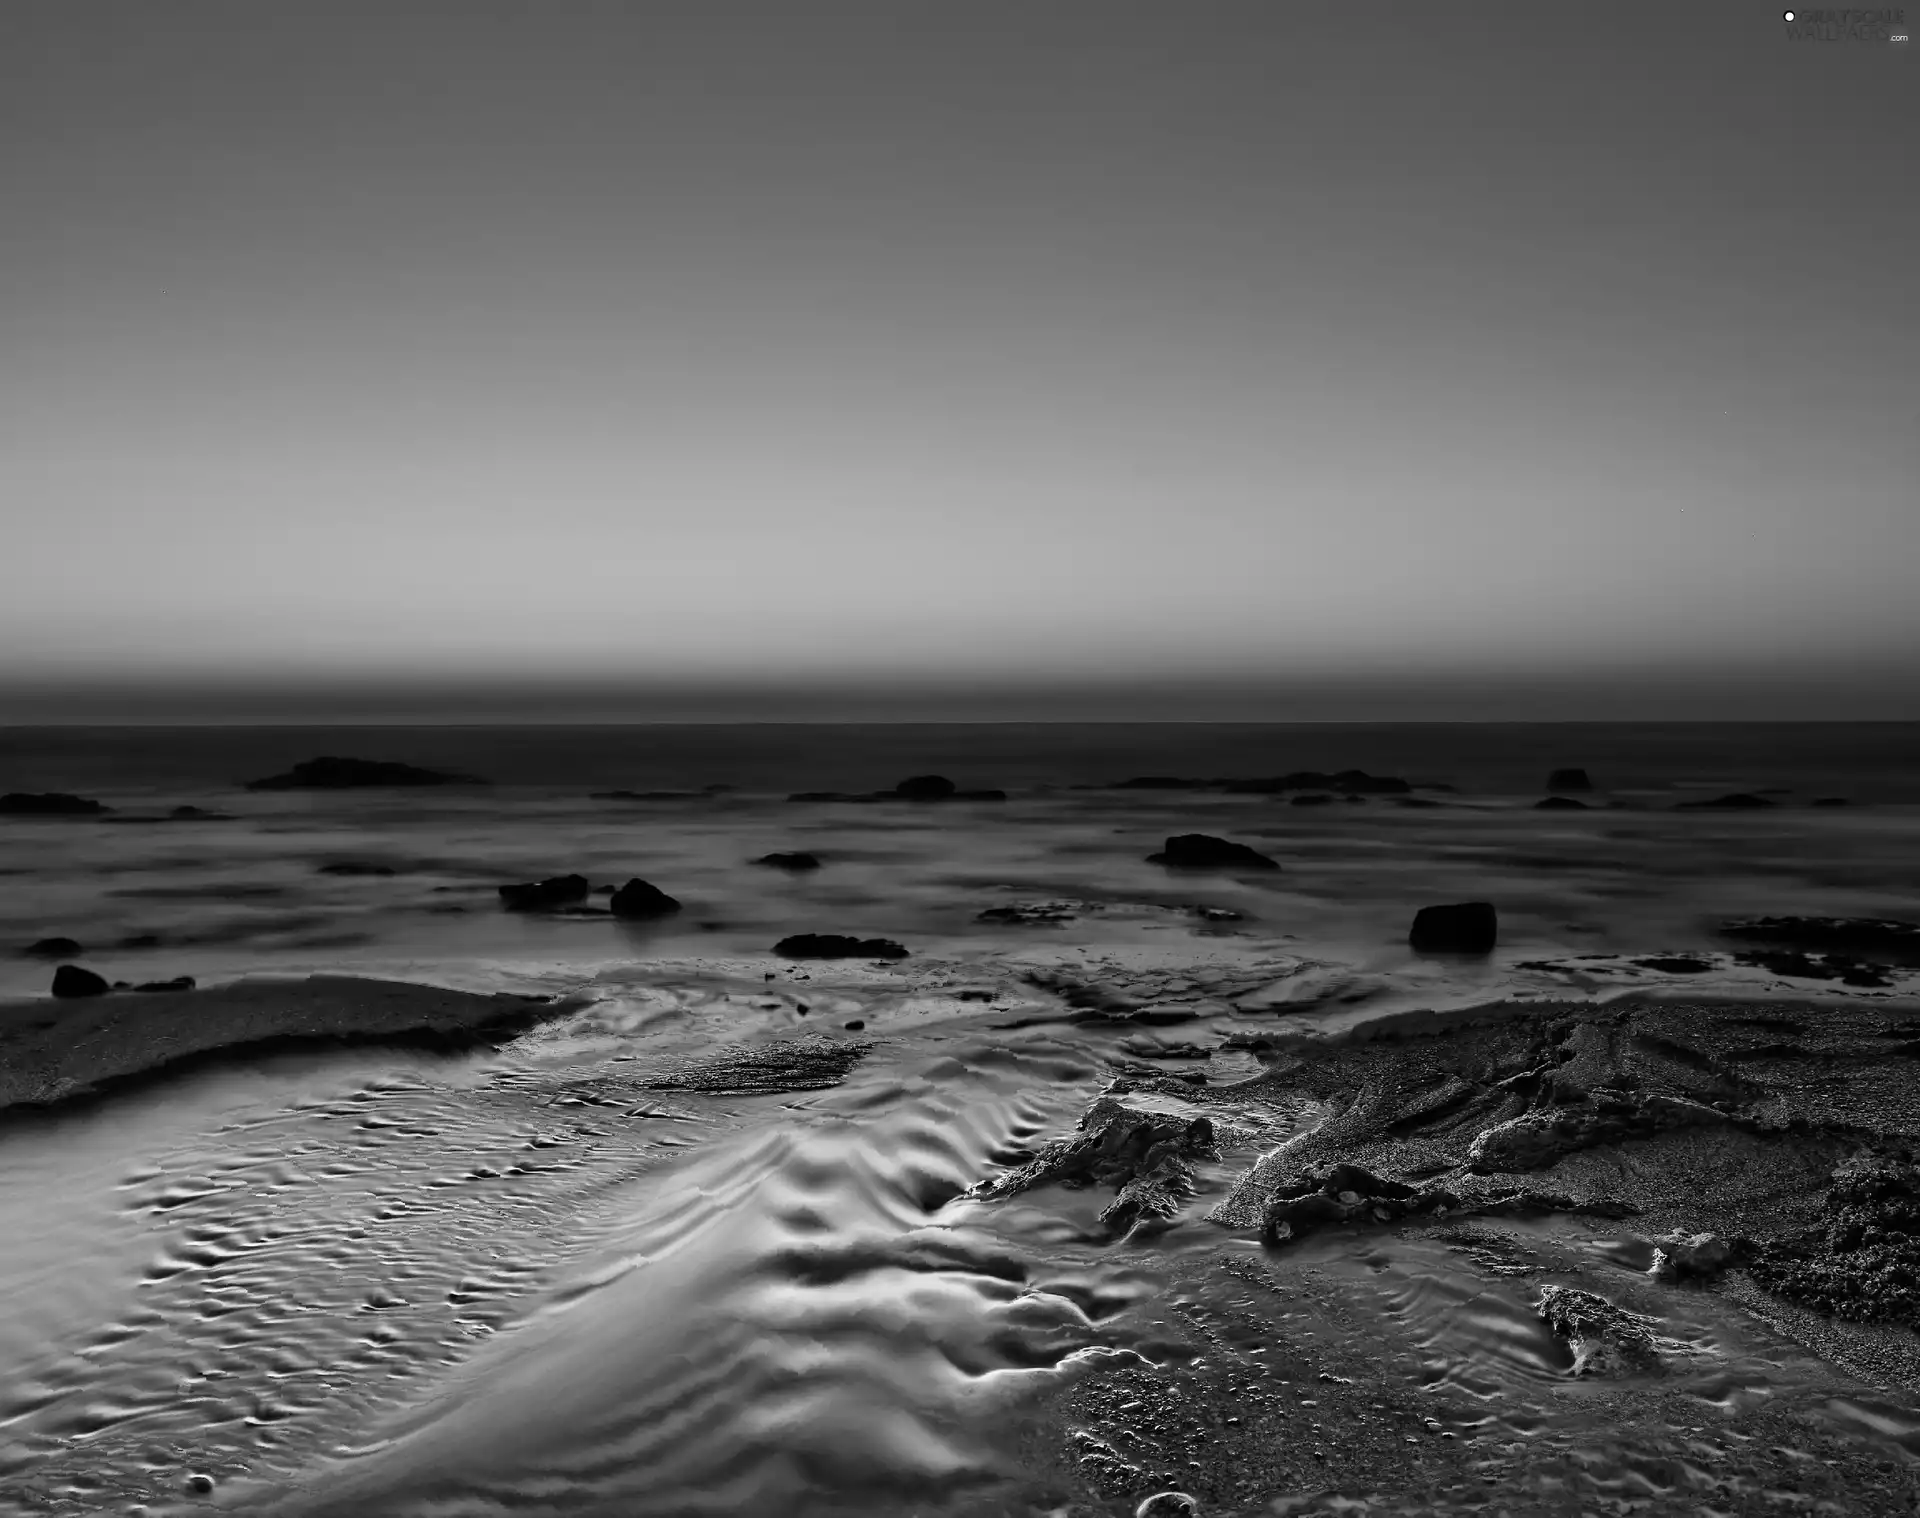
[
  {"x": 71, "y": 980},
  {"x": 54, "y": 948},
  {"x": 640, "y": 901},
  {"x": 837, "y": 946},
  {"x": 1569, "y": 780},
  {"x": 1466, "y": 927},
  {"x": 544, "y": 895},
  {"x": 49, "y": 804},
  {"x": 1201, "y": 851},
  {"x": 796, "y": 860},
  {"x": 1560, "y": 804},
  {"x": 1606, "y": 1340},
  {"x": 331, "y": 773}
]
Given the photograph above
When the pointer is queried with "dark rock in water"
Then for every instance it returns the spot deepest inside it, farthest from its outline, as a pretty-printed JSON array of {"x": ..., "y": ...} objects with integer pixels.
[
  {"x": 1861, "y": 1260},
  {"x": 1874, "y": 935},
  {"x": 790, "y": 860},
  {"x": 856, "y": 1025},
  {"x": 1028, "y": 914},
  {"x": 1201, "y": 851},
  {"x": 197, "y": 814},
  {"x": 837, "y": 946},
  {"x": 1606, "y": 1340},
  {"x": 141, "y": 941},
  {"x": 705, "y": 794},
  {"x": 1569, "y": 780},
  {"x": 1466, "y": 927},
  {"x": 638, "y": 901},
  {"x": 544, "y": 895},
  {"x": 350, "y": 868},
  {"x": 54, "y": 948},
  {"x": 71, "y": 980},
  {"x": 50, "y": 804},
  {"x": 925, "y": 788},
  {"x": 1675, "y": 964},
  {"x": 330, "y": 773},
  {"x": 1560, "y": 804},
  {"x": 1159, "y": 783},
  {"x": 1831, "y": 801},
  {"x": 1312, "y": 799},
  {"x": 178, "y": 983},
  {"x": 1818, "y": 965},
  {"x": 1738, "y": 801}
]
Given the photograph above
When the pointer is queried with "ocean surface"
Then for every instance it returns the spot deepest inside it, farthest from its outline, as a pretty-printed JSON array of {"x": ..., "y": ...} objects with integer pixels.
[{"x": 385, "y": 1282}]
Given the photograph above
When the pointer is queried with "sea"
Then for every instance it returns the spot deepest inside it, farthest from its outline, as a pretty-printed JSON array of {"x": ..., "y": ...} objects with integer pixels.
[{"x": 523, "y": 1279}]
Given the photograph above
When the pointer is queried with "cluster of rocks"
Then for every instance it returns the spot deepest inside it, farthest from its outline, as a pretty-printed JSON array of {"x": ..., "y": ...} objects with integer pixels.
[
  {"x": 1146, "y": 1157},
  {"x": 1861, "y": 1259},
  {"x": 49, "y": 804},
  {"x": 71, "y": 981},
  {"x": 837, "y": 946},
  {"x": 332, "y": 773},
  {"x": 637, "y": 901}
]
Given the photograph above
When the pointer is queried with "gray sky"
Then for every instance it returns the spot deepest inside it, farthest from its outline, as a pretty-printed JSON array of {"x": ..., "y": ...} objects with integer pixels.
[{"x": 1283, "y": 360}]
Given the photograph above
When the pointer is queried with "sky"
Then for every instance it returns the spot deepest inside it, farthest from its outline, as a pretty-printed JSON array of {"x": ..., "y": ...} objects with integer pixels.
[{"x": 1272, "y": 361}]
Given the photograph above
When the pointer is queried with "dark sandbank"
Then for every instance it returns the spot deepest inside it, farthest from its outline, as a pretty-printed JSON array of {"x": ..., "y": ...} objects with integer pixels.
[{"x": 51, "y": 1051}]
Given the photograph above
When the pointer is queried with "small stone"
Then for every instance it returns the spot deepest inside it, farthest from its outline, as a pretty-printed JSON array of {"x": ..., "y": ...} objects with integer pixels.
[{"x": 199, "y": 1484}]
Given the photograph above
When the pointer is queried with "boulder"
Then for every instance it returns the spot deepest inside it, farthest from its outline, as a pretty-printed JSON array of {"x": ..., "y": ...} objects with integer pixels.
[
  {"x": 544, "y": 895},
  {"x": 1466, "y": 927},
  {"x": 71, "y": 980},
  {"x": 796, "y": 860},
  {"x": 925, "y": 788},
  {"x": 1680, "y": 1255},
  {"x": 1569, "y": 780},
  {"x": 1560, "y": 804},
  {"x": 1200, "y": 851},
  {"x": 331, "y": 773},
  {"x": 49, "y": 804},
  {"x": 837, "y": 946},
  {"x": 54, "y": 948},
  {"x": 639, "y": 901}
]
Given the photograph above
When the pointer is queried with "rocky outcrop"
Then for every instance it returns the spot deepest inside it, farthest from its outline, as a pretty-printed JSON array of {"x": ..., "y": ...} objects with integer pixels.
[
  {"x": 1146, "y": 1157},
  {"x": 72, "y": 981},
  {"x": 1569, "y": 780},
  {"x": 54, "y": 948},
  {"x": 1606, "y": 1340},
  {"x": 544, "y": 895},
  {"x": 925, "y": 788},
  {"x": 49, "y": 804},
  {"x": 795, "y": 860},
  {"x": 1539, "y": 1139},
  {"x": 1865, "y": 935},
  {"x": 331, "y": 773},
  {"x": 837, "y": 946},
  {"x": 1201, "y": 851},
  {"x": 1861, "y": 1260},
  {"x": 1466, "y": 927},
  {"x": 640, "y": 901},
  {"x": 1560, "y": 804}
]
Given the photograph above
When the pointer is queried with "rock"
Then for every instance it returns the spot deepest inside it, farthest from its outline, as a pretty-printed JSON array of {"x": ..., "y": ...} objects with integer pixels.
[
  {"x": 544, "y": 895},
  {"x": 178, "y": 983},
  {"x": 1606, "y": 1340},
  {"x": 1159, "y": 783},
  {"x": 1199, "y": 851},
  {"x": 54, "y": 948},
  {"x": 1683, "y": 1255},
  {"x": 1168, "y": 1505},
  {"x": 1861, "y": 1260},
  {"x": 71, "y": 980},
  {"x": 792, "y": 860},
  {"x": 1874, "y": 935},
  {"x": 330, "y": 773},
  {"x": 1739, "y": 801},
  {"x": 638, "y": 901},
  {"x": 50, "y": 804},
  {"x": 1466, "y": 927},
  {"x": 1815, "y": 966},
  {"x": 1569, "y": 780},
  {"x": 1539, "y": 1139},
  {"x": 1029, "y": 914},
  {"x": 925, "y": 788},
  {"x": 1560, "y": 804},
  {"x": 837, "y": 946},
  {"x": 197, "y": 814},
  {"x": 349, "y": 868},
  {"x": 141, "y": 941}
]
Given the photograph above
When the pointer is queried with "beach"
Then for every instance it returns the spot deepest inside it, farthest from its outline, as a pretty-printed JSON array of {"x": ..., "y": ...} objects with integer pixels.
[{"x": 1125, "y": 1180}]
